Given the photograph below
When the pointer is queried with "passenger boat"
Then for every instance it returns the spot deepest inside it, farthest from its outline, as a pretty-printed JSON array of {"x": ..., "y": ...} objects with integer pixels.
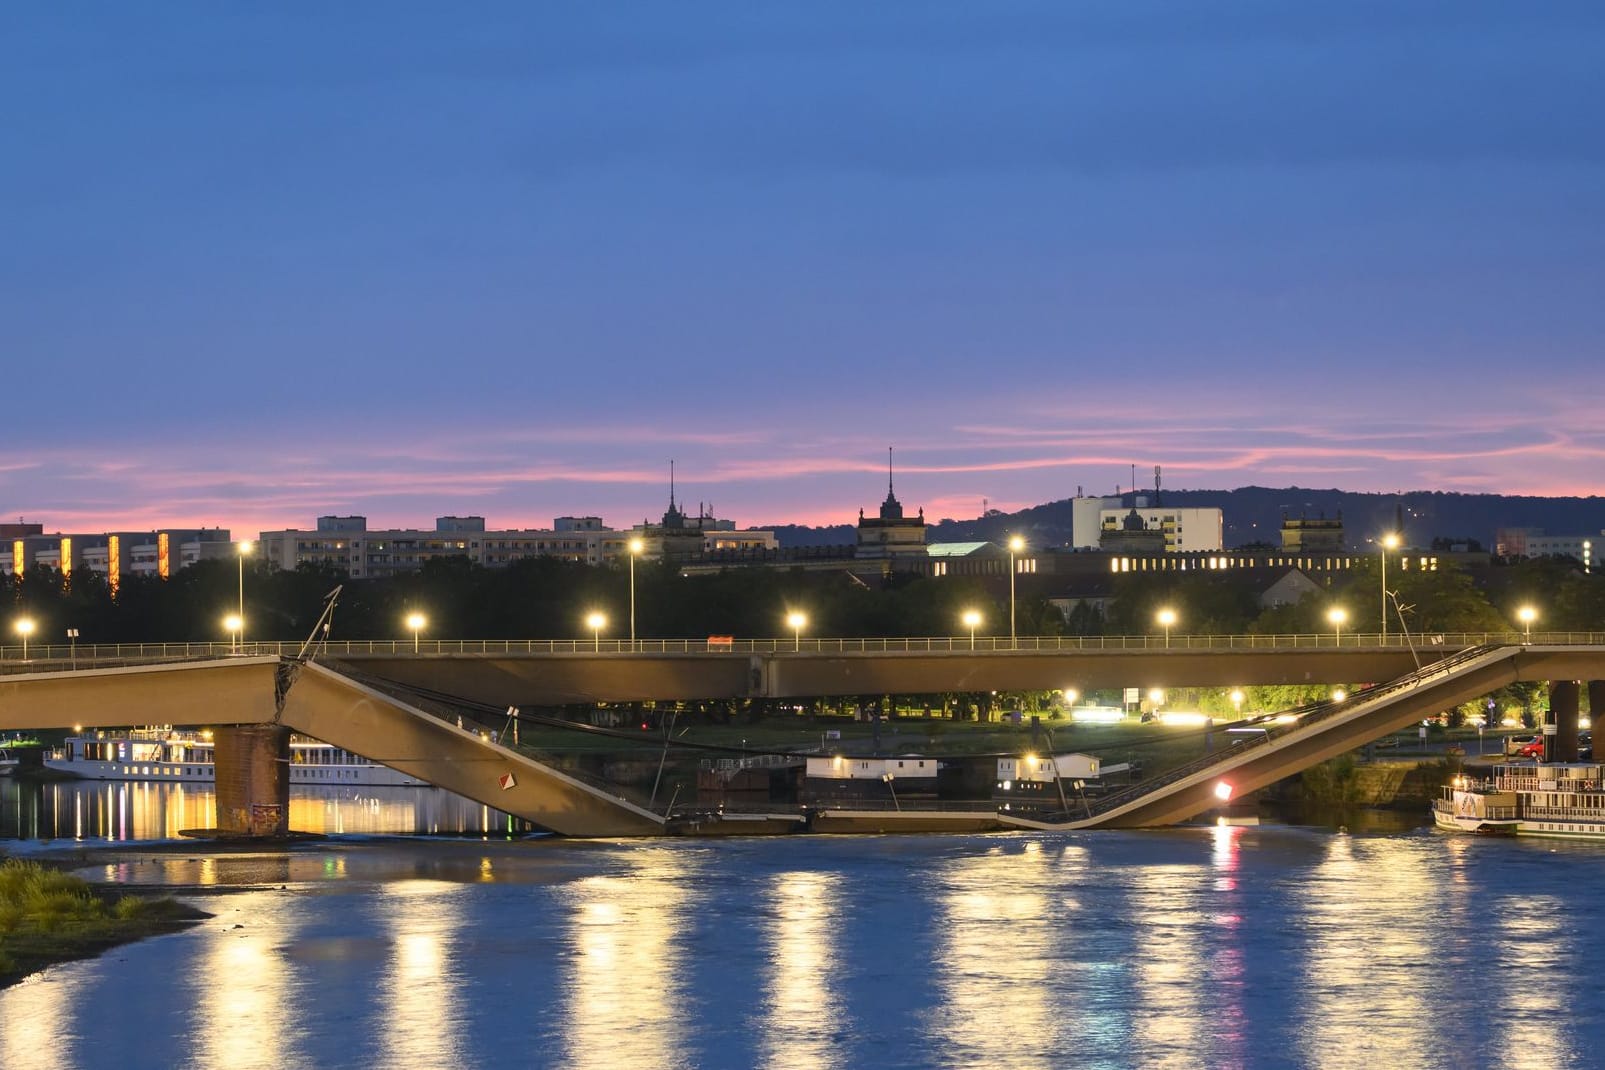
[
  {"x": 187, "y": 757},
  {"x": 1554, "y": 799}
]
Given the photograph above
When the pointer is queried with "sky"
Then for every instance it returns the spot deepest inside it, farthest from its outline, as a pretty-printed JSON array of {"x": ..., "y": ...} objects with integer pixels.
[{"x": 262, "y": 263}]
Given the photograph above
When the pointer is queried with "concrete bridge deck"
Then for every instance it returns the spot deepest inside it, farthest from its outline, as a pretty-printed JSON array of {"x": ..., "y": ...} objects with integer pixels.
[{"x": 320, "y": 700}]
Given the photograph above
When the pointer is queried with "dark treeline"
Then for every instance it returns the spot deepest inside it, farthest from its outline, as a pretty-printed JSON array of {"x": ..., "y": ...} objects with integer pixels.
[{"x": 546, "y": 598}]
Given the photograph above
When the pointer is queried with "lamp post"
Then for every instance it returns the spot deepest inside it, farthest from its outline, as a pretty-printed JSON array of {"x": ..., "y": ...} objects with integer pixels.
[
  {"x": 596, "y": 622},
  {"x": 234, "y": 624},
  {"x": 241, "y": 550},
  {"x": 72, "y": 646},
  {"x": 416, "y": 623},
  {"x": 1237, "y": 701},
  {"x": 24, "y": 628},
  {"x": 1337, "y": 615},
  {"x": 1390, "y": 541},
  {"x": 1527, "y": 614},
  {"x": 972, "y": 620},
  {"x": 796, "y": 622},
  {"x": 636, "y": 546},
  {"x": 1016, "y": 544},
  {"x": 1167, "y": 620}
]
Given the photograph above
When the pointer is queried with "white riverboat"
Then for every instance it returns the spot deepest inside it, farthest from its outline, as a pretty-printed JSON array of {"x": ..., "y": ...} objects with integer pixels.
[
  {"x": 1564, "y": 799},
  {"x": 187, "y": 757}
]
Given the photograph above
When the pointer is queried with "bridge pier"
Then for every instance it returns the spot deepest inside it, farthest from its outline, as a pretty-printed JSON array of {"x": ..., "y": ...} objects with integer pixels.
[
  {"x": 1563, "y": 701},
  {"x": 253, "y": 780},
  {"x": 1596, "y": 702}
]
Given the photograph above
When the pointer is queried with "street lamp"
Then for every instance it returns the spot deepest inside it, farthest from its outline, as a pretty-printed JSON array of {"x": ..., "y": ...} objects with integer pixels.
[
  {"x": 234, "y": 624},
  {"x": 242, "y": 549},
  {"x": 1167, "y": 620},
  {"x": 1237, "y": 700},
  {"x": 636, "y": 546},
  {"x": 1390, "y": 541},
  {"x": 1016, "y": 544},
  {"x": 596, "y": 622},
  {"x": 416, "y": 623},
  {"x": 1527, "y": 614},
  {"x": 1337, "y": 615},
  {"x": 972, "y": 620},
  {"x": 796, "y": 622},
  {"x": 24, "y": 627},
  {"x": 72, "y": 646}
]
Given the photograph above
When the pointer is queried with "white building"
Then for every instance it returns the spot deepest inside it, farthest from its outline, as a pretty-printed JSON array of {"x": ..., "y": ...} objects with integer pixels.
[{"x": 1186, "y": 529}]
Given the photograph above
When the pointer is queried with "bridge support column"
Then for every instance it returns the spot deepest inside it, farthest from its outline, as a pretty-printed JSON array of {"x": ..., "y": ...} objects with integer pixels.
[
  {"x": 253, "y": 780},
  {"x": 1563, "y": 696},
  {"x": 1596, "y": 703}
]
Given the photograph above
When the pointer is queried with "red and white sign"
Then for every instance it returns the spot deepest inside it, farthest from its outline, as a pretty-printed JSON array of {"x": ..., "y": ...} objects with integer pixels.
[{"x": 507, "y": 782}]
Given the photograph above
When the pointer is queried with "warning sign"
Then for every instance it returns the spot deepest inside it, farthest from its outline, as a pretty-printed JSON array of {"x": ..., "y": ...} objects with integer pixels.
[{"x": 507, "y": 782}]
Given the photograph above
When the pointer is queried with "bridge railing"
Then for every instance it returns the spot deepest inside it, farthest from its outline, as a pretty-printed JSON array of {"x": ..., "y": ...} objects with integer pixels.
[
  {"x": 1303, "y": 717},
  {"x": 57, "y": 655}
]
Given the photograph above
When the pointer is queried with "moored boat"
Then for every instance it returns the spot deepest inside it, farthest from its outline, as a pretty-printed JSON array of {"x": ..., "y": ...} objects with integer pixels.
[
  {"x": 187, "y": 757},
  {"x": 1554, "y": 799}
]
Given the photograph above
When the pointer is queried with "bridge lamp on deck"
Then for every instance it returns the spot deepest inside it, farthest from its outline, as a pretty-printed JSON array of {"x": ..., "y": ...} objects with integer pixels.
[
  {"x": 636, "y": 548},
  {"x": 796, "y": 622},
  {"x": 242, "y": 549},
  {"x": 1167, "y": 620},
  {"x": 24, "y": 627},
  {"x": 1527, "y": 614},
  {"x": 1223, "y": 790},
  {"x": 1390, "y": 541},
  {"x": 1337, "y": 615},
  {"x": 1016, "y": 545},
  {"x": 416, "y": 622},
  {"x": 234, "y": 624},
  {"x": 596, "y": 622},
  {"x": 972, "y": 621}
]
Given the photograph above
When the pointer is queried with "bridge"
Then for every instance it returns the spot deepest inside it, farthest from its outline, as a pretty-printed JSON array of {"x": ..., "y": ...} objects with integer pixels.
[{"x": 364, "y": 697}]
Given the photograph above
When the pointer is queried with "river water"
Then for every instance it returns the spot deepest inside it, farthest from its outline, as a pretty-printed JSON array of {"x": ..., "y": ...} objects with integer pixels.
[{"x": 1218, "y": 946}]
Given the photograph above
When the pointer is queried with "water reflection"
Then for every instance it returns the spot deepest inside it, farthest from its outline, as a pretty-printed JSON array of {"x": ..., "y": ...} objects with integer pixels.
[
  {"x": 1532, "y": 948},
  {"x": 623, "y": 999},
  {"x": 38, "y": 1027},
  {"x": 131, "y": 811},
  {"x": 1368, "y": 907},
  {"x": 243, "y": 1015},
  {"x": 422, "y": 1019},
  {"x": 1169, "y": 967},
  {"x": 801, "y": 1007},
  {"x": 995, "y": 960}
]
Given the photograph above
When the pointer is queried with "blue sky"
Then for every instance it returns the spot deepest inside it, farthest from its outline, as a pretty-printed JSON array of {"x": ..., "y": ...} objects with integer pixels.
[{"x": 406, "y": 260}]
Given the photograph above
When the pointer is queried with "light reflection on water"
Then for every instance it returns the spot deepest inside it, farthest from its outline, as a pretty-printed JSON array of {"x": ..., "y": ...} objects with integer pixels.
[
  {"x": 1219, "y": 947},
  {"x": 129, "y": 811}
]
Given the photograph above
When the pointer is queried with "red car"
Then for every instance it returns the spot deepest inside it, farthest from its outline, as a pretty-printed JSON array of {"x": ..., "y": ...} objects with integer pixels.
[{"x": 1535, "y": 749}]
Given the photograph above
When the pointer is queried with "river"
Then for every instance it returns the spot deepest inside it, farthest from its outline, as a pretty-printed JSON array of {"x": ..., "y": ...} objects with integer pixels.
[{"x": 1220, "y": 946}]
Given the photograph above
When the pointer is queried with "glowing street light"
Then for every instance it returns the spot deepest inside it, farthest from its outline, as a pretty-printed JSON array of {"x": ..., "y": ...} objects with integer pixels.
[
  {"x": 1390, "y": 541},
  {"x": 1016, "y": 544},
  {"x": 234, "y": 624},
  {"x": 242, "y": 550},
  {"x": 1338, "y": 694},
  {"x": 24, "y": 627},
  {"x": 972, "y": 621},
  {"x": 1337, "y": 615},
  {"x": 1167, "y": 620},
  {"x": 596, "y": 622},
  {"x": 796, "y": 622},
  {"x": 636, "y": 546},
  {"x": 416, "y": 623},
  {"x": 1527, "y": 614},
  {"x": 1070, "y": 696},
  {"x": 1237, "y": 700}
]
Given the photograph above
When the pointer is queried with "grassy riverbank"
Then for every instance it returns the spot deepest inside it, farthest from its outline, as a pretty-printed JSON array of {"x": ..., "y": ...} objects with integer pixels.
[{"x": 47, "y": 917}]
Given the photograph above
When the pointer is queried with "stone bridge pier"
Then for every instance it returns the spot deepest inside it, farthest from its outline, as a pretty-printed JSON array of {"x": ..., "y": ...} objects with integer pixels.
[{"x": 253, "y": 780}]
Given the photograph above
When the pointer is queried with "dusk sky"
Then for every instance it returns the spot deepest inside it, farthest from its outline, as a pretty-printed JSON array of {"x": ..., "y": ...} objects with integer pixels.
[{"x": 260, "y": 263}]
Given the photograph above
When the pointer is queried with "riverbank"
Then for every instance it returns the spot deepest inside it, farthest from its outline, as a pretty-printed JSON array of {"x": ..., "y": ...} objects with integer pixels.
[{"x": 48, "y": 917}]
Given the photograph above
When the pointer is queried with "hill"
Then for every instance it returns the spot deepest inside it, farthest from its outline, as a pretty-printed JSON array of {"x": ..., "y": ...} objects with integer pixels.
[{"x": 1254, "y": 514}]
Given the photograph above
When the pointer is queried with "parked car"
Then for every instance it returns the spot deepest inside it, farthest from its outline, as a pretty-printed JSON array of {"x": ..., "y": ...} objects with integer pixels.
[
  {"x": 1514, "y": 744},
  {"x": 1535, "y": 749}
]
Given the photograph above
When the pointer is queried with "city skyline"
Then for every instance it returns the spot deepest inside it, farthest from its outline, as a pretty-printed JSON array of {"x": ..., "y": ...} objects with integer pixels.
[{"x": 401, "y": 262}]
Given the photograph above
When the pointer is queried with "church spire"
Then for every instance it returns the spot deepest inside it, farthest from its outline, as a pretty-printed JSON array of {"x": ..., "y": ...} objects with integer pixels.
[
  {"x": 891, "y": 508},
  {"x": 673, "y": 518}
]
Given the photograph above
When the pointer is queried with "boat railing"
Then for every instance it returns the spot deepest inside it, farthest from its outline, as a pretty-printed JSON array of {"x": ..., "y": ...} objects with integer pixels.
[{"x": 1566, "y": 813}]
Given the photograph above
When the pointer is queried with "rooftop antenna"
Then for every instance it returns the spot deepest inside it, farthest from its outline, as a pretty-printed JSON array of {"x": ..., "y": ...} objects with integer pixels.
[
  {"x": 671, "y": 484},
  {"x": 888, "y": 471},
  {"x": 1156, "y": 486},
  {"x": 1134, "y": 486}
]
